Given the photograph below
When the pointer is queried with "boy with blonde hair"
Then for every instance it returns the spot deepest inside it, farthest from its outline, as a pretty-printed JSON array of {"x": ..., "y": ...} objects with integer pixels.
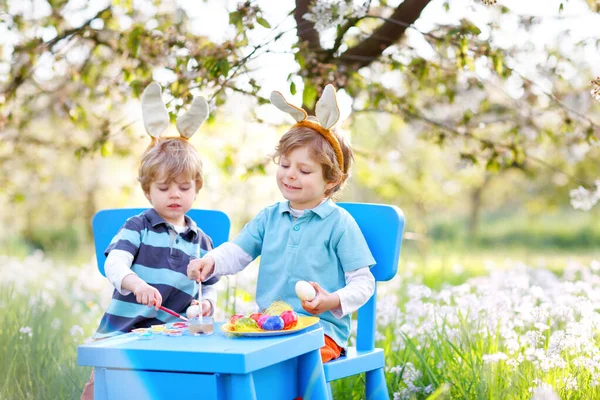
[{"x": 147, "y": 259}]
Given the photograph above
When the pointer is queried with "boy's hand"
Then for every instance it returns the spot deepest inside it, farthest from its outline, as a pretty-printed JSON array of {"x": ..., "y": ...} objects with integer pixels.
[
  {"x": 323, "y": 301},
  {"x": 206, "y": 307},
  {"x": 147, "y": 295},
  {"x": 200, "y": 268}
]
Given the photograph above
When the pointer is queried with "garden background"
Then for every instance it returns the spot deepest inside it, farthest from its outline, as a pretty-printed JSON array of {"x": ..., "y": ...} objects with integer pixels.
[{"x": 479, "y": 119}]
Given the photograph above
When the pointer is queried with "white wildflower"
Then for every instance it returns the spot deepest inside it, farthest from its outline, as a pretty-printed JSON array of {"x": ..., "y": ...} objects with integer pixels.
[
  {"x": 76, "y": 330},
  {"x": 515, "y": 362},
  {"x": 26, "y": 330},
  {"x": 494, "y": 358},
  {"x": 410, "y": 373},
  {"x": 545, "y": 392},
  {"x": 570, "y": 383},
  {"x": 55, "y": 324},
  {"x": 489, "y": 2},
  {"x": 541, "y": 326}
]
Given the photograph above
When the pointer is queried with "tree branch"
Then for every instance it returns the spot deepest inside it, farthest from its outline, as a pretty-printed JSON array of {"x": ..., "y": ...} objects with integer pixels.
[
  {"x": 25, "y": 74},
  {"x": 307, "y": 33},
  {"x": 387, "y": 34}
]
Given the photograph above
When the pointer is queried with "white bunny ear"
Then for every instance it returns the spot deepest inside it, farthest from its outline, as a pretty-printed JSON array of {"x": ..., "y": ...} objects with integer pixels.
[
  {"x": 154, "y": 112},
  {"x": 327, "y": 110},
  {"x": 189, "y": 122},
  {"x": 278, "y": 101}
]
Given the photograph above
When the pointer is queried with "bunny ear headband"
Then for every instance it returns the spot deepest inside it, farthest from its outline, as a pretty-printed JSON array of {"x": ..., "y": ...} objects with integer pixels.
[
  {"x": 327, "y": 114},
  {"x": 156, "y": 117}
]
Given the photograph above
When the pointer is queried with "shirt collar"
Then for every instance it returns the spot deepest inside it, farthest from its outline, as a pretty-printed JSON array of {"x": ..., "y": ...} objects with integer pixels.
[
  {"x": 155, "y": 219},
  {"x": 322, "y": 210}
]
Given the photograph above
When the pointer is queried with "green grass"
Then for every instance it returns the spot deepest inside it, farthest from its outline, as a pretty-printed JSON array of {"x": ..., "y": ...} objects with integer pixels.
[
  {"x": 42, "y": 365},
  {"x": 454, "y": 263},
  {"x": 566, "y": 230}
]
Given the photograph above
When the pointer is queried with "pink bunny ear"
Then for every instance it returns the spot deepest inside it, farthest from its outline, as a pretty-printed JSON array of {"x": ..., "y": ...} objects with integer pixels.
[
  {"x": 327, "y": 110},
  {"x": 154, "y": 112},
  {"x": 279, "y": 101}
]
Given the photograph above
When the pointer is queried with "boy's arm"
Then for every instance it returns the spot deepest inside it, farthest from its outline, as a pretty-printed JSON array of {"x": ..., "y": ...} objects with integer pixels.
[
  {"x": 117, "y": 267},
  {"x": 209, "y": 293},
  {"x": 360, "y": 286},
  {"x": 144, "y": 293},
  {"x": 229, "y": 259}
]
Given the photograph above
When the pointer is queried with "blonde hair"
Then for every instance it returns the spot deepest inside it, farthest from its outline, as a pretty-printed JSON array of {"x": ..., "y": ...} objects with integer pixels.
[
  {"x": 322, "y": 152},
  {"x": 168, "y": 158}
]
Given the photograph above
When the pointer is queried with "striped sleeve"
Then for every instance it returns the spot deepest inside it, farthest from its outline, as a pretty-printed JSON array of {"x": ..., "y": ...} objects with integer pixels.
[{"x": 128, "y": 238}]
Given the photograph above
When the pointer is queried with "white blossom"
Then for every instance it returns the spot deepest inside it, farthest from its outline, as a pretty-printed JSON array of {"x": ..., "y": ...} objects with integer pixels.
[
  {"x": 584, "y": 199},
  {"x": 327, "y": 14},
  {"x": 596, "y": 89}
]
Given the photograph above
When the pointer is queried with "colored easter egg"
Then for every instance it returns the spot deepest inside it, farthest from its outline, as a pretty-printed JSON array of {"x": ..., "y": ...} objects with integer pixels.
[
  {"x": 245, "y": 325},
  {"x": 262, "y": 319},
  {"x": 305, "y": 291},
  {"x": 273, "y": 323},
  {"x": 255, "y": 316},
  {"x": 234, "y": 318},
  {"x": 193, "y": 311},
  {"x": 290, "y": 319},
  {"x": 277, "y": 307}
]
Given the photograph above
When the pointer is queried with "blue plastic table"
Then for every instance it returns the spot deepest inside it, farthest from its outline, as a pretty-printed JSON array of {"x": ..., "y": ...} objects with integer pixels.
[{"x": 208, "y": 367}]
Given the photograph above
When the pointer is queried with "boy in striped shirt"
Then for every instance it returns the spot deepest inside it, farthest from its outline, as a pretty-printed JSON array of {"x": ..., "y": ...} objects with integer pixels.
[{"x": 147, "y": 259}]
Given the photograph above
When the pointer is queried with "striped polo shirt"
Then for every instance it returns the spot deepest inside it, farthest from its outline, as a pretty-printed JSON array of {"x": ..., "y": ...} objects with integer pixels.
[{"x": 159, "y": 260}]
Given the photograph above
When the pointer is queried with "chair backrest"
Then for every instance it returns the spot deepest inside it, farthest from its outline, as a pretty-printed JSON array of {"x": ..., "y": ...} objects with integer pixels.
[
  {"x": 382, "y": 226},
  {"x": 106, "y": 224}
]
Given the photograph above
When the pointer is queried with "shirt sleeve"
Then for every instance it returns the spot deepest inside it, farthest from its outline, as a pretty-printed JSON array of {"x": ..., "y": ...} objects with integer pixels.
[
  {"x": 128, "y": 238},
  {"x": 352, "y": 249},
  {"x": 118, "y": 266},
  {"x": 250, "y": 239},
  {"x": 360, "y": 286},
  {"x": 229, "y": 259},
  {"x": 210, "y": 293},
  {"x": 206, "y": 245}
]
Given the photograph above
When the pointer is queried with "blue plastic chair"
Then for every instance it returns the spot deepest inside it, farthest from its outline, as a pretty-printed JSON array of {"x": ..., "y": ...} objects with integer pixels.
[
  {"x": 106, "y": 224},
  {"x": 382, "y": 227}
]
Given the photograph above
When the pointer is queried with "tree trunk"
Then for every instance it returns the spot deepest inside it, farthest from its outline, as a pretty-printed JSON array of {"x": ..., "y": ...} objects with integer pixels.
[{"x": 476, "y": 206}]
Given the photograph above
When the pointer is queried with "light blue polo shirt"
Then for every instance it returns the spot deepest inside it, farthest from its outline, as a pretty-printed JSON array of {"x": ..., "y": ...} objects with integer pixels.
[{"x": 320, "y": 246}]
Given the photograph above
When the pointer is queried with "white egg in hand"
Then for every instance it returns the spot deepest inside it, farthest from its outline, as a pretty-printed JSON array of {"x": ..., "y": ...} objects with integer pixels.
[
  {"x": 305, "y": 291},
  {"x": 193, "y": 311}
]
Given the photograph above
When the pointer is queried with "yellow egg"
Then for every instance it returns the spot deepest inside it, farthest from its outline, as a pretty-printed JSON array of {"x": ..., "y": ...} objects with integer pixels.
[{"x": 305, "y": 291}]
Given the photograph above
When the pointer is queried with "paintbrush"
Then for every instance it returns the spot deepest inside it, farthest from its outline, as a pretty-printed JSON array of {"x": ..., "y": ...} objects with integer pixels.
[{"x": 173, "y": 313}]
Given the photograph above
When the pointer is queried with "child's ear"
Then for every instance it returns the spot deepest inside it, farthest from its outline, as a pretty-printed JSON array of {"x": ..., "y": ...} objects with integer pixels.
[
  {"x": 148, "y": 196},
  {"x": 332, "y": 184}
]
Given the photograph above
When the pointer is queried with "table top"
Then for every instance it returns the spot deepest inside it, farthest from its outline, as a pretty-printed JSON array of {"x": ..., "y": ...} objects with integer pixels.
[{"x": 216, "y": 353}]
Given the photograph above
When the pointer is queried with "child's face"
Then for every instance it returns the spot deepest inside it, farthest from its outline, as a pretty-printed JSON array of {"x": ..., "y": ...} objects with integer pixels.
[
  {"x": 300, "y": 179},
  {"x": 172, "y": 200}
]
